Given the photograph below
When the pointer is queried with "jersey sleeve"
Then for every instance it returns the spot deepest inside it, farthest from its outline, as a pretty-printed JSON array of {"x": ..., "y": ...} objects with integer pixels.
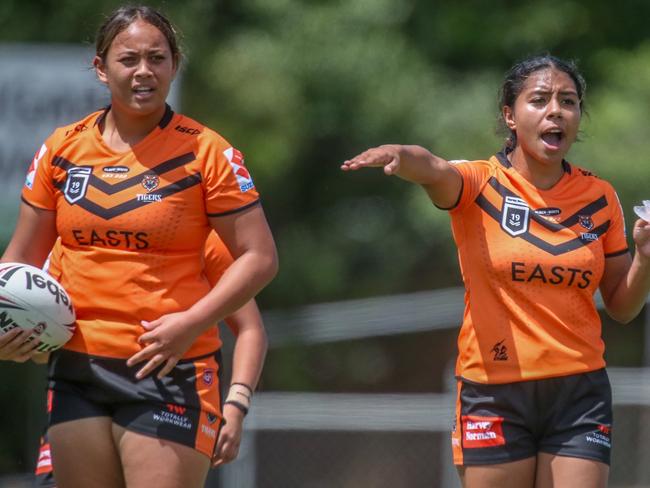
[
  {"x": 615, "y": 239},
  {"x": 38, "y": 189},
  {"x": 474, "y": 175},
  {"x": 228, "y": 183}
]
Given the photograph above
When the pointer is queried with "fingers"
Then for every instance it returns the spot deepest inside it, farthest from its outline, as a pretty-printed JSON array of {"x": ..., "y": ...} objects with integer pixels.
[
  {"x": 152, "y": 364},
  {"x": 16, "y": 345},
  {"x": 375, "y": 157},
  {"x": 169, "y": 366},
  {"x": 227, "y": 449}
]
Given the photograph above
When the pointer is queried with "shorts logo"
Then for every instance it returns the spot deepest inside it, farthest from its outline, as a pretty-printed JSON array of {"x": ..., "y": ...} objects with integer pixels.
[
  {"x": 208, "y": 377},
  {"x": 586, "y": 222},
  {"x": 482, "y": 431},
  {"x": 31, "y": 172},
  {"x": 212, "y": 418},
  {"x": 236, "y": 160},
  {"x": 176, "y": 409},
  {"x": 515, "y": 214},
  {"x": 76, "y": 183},
  {"x": 173, "y": 415},
  {"x": 209, "y": 431},
  {"x": 500, "y": 351},
  {"x": 601, "y": 436},
  {"x": 150, "y": 182}
]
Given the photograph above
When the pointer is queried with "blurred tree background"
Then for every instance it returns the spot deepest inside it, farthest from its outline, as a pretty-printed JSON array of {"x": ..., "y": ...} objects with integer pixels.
[{"x": 301, "y": 85}]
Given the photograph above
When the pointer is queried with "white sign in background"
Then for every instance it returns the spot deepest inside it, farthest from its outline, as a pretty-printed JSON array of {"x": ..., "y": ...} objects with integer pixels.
[{"x": 41, "y": 87}]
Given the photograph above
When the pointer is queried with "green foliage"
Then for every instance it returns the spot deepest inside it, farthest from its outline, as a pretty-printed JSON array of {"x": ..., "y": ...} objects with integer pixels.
[{"x": 299, "y": 86}]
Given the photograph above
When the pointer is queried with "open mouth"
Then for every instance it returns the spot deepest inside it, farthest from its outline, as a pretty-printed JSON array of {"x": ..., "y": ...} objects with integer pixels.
[
  {"x": 143, "y": 91},
  {"x": 553, "y": 138}
]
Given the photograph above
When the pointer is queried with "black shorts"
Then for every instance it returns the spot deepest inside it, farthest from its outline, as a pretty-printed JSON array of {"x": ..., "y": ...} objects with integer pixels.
[
  {"x": 184, "y": 406},
  {"x": 564, "y": 416}
]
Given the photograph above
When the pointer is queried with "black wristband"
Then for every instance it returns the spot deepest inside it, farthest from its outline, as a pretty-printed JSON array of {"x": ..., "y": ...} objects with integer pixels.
[{"x": 238, "y": 405}]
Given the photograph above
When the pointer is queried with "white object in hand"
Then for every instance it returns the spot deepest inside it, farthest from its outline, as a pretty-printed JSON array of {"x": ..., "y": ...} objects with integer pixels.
[{"x": 643, "y": 211}]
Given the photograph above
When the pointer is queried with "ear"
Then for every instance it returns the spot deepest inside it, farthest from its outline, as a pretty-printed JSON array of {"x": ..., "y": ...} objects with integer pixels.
[
  {"x": 100, "y": 69},
  {"x": 509, "y": 117}
]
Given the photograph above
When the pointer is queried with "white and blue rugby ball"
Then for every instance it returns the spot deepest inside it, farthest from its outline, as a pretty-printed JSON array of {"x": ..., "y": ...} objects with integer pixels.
[{"x": 32, "y": 300}]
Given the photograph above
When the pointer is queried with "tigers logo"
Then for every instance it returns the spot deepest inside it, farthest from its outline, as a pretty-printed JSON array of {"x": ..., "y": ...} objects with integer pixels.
[
  {"x": 76, "y": 183},
  {"x": 586, "y": 222},
  {"x": 515, "y": 214},
  {"x": 150, "y": 182},
  {"x": 236, "y": 160},
  {"x": 208, "y": 377}
]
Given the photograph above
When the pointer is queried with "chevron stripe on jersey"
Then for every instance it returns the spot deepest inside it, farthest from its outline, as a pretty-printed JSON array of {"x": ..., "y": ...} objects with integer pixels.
[
  {"x": 133, "y": 224},
  {"x": 531, "y": 261}
]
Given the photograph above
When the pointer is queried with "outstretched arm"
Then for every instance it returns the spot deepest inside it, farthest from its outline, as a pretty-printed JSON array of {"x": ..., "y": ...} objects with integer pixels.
[{"x": 437, "y": 176}]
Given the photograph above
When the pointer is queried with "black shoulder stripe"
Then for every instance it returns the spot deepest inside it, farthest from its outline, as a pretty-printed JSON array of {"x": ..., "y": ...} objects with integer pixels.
[
  {"x": 109, "y": 189},
  {"x": 109, "y": 213},
  {"x": 237, "y": 210}
]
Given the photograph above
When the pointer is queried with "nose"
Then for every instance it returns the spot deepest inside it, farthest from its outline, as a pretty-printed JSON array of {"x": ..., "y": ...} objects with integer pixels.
[
  {"x": 143, "y": 68},
  {"x": 554, "y": 108}
]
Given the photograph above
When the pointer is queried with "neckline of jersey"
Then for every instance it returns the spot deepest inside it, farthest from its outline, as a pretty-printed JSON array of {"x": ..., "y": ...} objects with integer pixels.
[
  {"x": 164, "y": 122},
  {"x": 502, "y": 158}
]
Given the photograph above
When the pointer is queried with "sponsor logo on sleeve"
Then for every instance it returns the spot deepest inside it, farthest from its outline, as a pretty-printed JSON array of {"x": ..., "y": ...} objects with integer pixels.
[
  {"x": 482, "y": 431},
  {"x": 236, "y": 160},
  {"x": 31, "y": 172}
]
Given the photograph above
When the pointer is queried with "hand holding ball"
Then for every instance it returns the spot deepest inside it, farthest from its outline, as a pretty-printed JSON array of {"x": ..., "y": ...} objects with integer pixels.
[{"x": 33, "y": 300}]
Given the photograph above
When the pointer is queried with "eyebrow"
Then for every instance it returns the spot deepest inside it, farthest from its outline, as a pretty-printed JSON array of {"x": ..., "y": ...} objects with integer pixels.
[{"x": 541, "y": 91}]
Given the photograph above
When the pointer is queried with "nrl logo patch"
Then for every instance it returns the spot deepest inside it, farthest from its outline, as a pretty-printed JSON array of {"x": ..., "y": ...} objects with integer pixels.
[
  {"x": 515, "y": 213},
  {"x": 76, "y": 183},
  {"x": 150, "y": 182}
]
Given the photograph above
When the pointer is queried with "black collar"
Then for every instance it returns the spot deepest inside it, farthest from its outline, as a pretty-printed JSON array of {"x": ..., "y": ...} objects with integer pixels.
[{"x": 502, "y": 157}]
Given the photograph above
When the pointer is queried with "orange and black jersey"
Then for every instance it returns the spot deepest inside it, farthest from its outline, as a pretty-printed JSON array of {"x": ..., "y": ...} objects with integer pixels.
[
  {"x": 133, "y": 224},
  {"x": 531, "y": 262}
]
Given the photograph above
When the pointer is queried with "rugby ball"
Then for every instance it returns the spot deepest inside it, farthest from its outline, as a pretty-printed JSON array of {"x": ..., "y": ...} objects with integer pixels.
[{"x": 32, "y": 300}]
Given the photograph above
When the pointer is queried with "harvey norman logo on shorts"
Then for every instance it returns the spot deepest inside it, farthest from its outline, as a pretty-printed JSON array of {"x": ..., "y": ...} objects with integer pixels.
[{"x": 482, "y": 431}]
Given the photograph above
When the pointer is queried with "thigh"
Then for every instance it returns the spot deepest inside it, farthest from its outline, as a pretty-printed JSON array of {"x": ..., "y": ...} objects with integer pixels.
[
  {"x": 570, "y": 472},
  {"x": 148, "y": 461},
  {"x": 517, "y": 474},
  {"x": 84, "y": 454}
]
